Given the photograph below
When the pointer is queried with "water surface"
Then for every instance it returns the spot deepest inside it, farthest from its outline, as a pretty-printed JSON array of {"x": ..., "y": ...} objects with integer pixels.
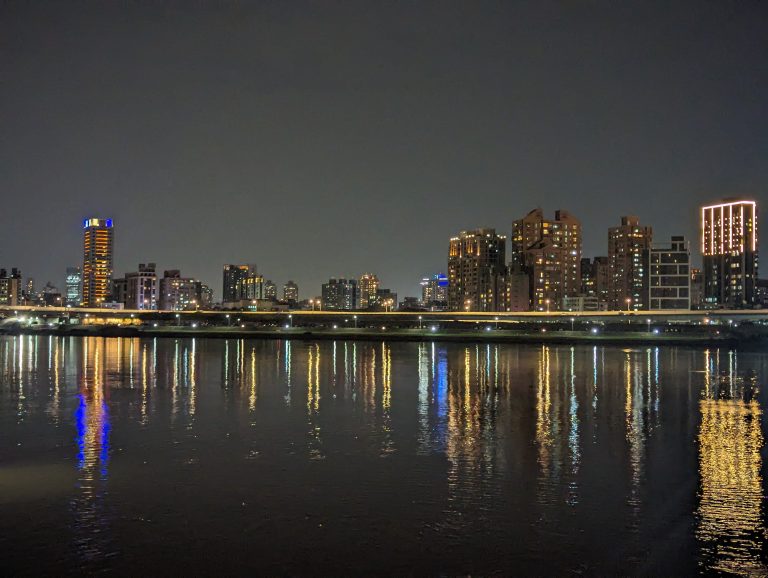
[{"x": 272, "y": 457}]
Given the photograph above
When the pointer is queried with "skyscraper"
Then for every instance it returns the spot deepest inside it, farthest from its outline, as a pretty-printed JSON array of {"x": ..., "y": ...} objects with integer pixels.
[
  {"x": 367, "y": 287},
  {"x": 475, "y": 260},
  {"x": 98, "y": 240},
  {"x": 549, "y": 251},
  {"x": 74, "y": 287},
  {"x": 628, "y": 283},
  {"x": 729, "y": 246}
]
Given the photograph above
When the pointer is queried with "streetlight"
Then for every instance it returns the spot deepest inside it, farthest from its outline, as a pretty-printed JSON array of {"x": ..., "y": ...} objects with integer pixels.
[
  {"x": 629, "y": 302},
  {"x": 572, "y": 320},
  {"x": 496, "y": 319},
  {"x": 467, "y": 303},
  {"x": 547, "y": 303},
  {"x": 229, "y": 323},
  {"x": 312, "y": 303},
  {"x": 649, "y": 325},
  {"x": 177, "y": 319},
  {"x": 420, "y": 321},
  {"x": 290, "y": 320},
  {"x": 355, "y": 321}
]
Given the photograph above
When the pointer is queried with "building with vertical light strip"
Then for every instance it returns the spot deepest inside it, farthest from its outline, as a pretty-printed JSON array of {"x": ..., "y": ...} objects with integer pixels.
[
  {"x": 98, "y": 242},
  {"x": 729, "y": 247}
]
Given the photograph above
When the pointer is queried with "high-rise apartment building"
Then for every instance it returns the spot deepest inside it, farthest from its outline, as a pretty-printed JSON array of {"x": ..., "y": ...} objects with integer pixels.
[
  {"x": 141, "y": 288},
  {"x": 291, "y": 292},
  {"x": 628, "y": 281},
  {"x": 668, "y": 276},
  {"x": 179, "y": 293},
  {"x": 74, "y": 287},
  {"x": 340, "y": 294},
  {"x": 367, "y": 287},
  {"x": 549, "y": 251},
  {"x": 242, "y": 282},
  {"x": 729, "y": 246},
  {"x": 10, "y": 288},
  {"x": 475, "y": 260},
  {"x": 595, "y": 279},
  {"x": 98, "y": 241},
  {"x": 434, "y": 291}
]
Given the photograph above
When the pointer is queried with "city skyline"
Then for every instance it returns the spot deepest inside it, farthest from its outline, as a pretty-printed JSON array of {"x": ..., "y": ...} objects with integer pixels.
[{"x": 208, "y": 151}]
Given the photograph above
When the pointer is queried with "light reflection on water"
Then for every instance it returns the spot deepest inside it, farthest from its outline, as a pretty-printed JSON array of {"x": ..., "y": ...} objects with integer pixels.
[{"x": 563, "y": 459}]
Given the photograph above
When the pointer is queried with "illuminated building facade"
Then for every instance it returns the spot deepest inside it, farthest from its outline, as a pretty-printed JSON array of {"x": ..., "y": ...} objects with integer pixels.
[
  {"x": 729, "y": 246},
  {"x": 242, "y": 282},
  {"x": 668, "y": 270},
  {"x": 626, "y": 246},
  {"x": 475, "y": 260},
  {"x": 291, "y": 292},
  {"x": 434, "y": 291},
  {"x": 98, "y": 243},
  {"x": 10, "y": 287},
  {"x": 339, "y": 294},
  {"x": 74, "y": 287},
  {"x": 367, "y": 287},
  {"x": 549, "y": 251},
  {"x": 179, "y": 293},
  {"x": 141, "y": 288}
]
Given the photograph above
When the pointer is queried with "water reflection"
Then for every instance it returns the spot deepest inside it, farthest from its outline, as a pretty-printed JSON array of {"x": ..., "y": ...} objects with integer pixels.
[
  {"x": 561, "y": 441},
  {"x": 731, "y": 526},
  {"x": 92, "y": 424}
]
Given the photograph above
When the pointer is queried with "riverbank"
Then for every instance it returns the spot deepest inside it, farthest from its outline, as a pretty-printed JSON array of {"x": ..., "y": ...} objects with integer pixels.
[{"x": 716, "y": 339}]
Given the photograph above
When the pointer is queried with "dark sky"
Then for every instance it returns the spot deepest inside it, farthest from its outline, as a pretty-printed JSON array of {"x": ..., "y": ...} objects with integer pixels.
[{"x": 321, "y": 139}]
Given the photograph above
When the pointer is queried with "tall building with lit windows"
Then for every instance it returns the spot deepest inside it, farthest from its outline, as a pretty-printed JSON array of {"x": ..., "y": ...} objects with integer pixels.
[
  {"x": 729, "y": 246},
  {"x": 628, "y": 282},
  {"x": 98, "y": 245},
  {"x": 367, "y": 287},
  {"x": 141, "y": 287},
  {"x": 74, "y": 287},
  {"x": 434, "y": 291},
  {"x": 291, "y": 292},
  {"x": 242, "y": 282},
  {"x": 340, "y": 294},
  {"x": 549, "y": 252},
  {"x": 475, "y": 262}
]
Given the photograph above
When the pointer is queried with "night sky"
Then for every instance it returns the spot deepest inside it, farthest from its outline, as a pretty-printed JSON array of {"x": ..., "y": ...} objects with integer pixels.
[{"x": 327, "y": 138}]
